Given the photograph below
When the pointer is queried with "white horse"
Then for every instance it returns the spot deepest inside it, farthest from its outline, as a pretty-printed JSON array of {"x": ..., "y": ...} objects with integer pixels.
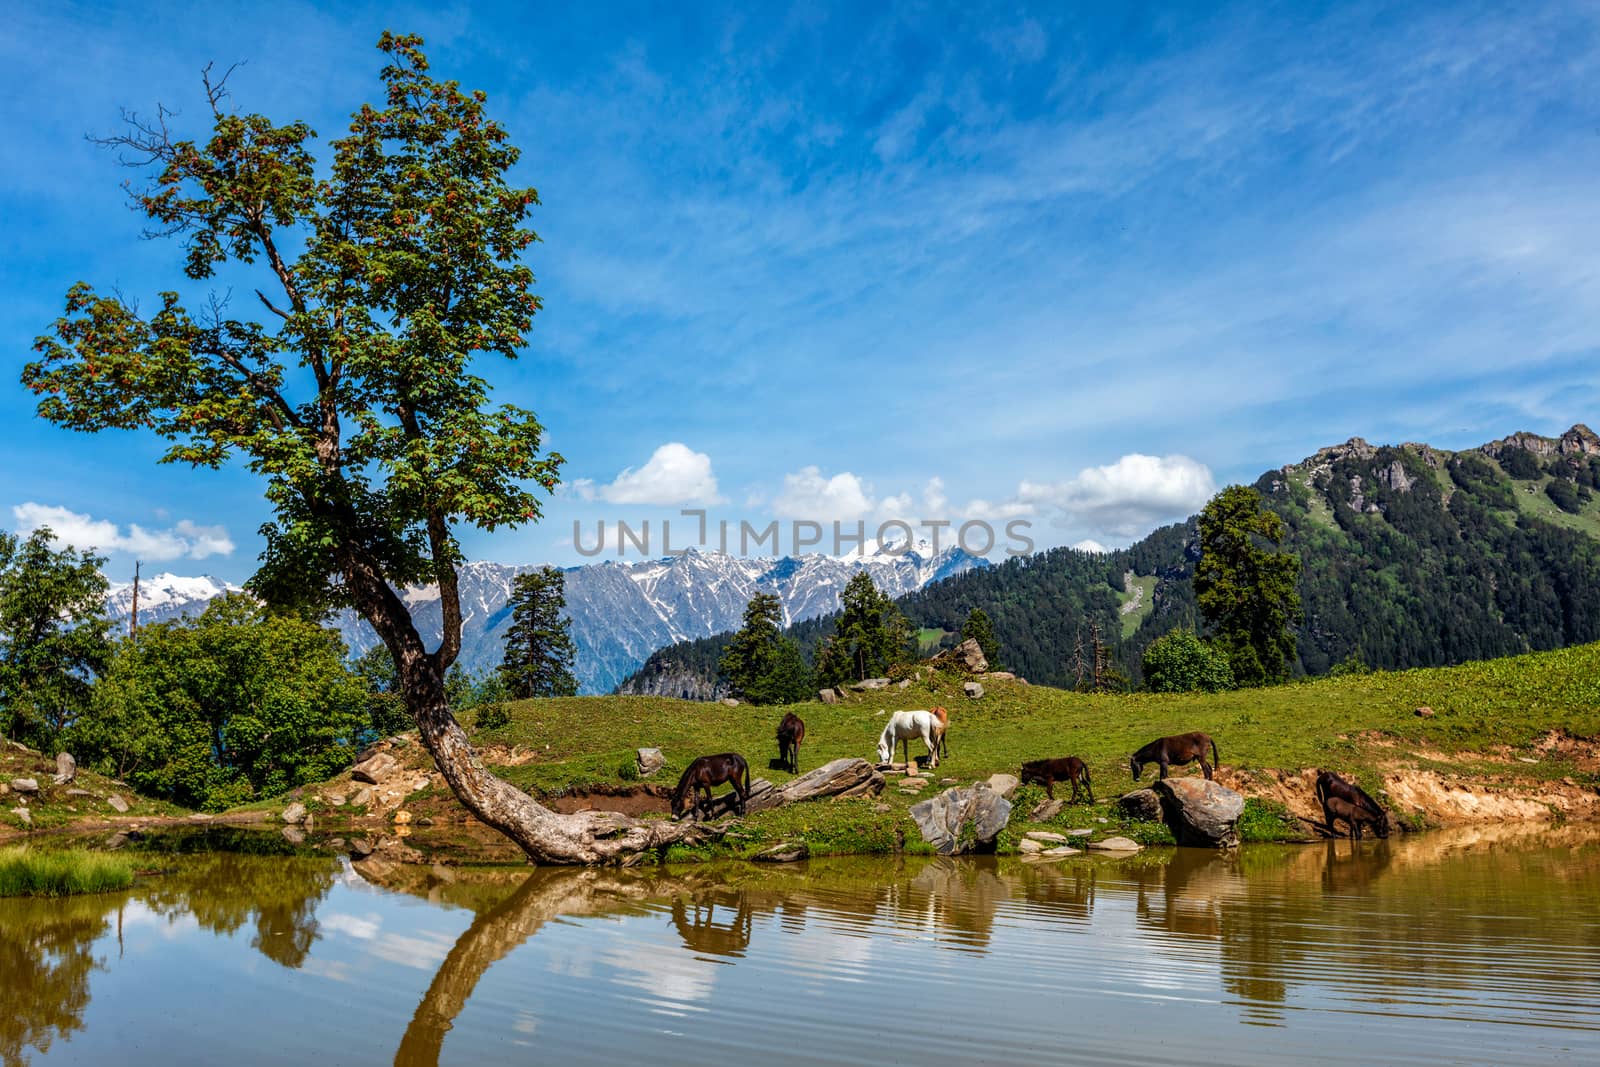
[{"x": 902, "y": 727}]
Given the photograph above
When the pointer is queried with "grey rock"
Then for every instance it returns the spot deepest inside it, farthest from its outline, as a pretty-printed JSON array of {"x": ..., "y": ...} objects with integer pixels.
[
  {"x": 1000, "y": 676},
  {"x": 25, "y": 816},
  {"x": 1115, "y": 844},
  {"x": 871, "y": 683},
  {"x": 648, "y": 761},
  {"x": 730, "y": 701},
  {"x": 294, "y": 813},
  {"x": 1046, "y": 835},
  {"x": 117, "y": 803},
  {"x": 787, "y": 852},
  {"x": 1028, "y": 846},
  {"x": 962, "y": 820},
  {"x": 336, "y": 799},
  {"x": 66, "y": 768},
  {"x": 362, "y": 797},
  {"x": 828, "y": 696},
  {"x": 294, "y": 835},
  {"x": 1004, "y": 784},
  {"x": 24, "y": 785},
  {"x": 80, "y": 793},
  {"x": 360, "y": 847},
  {"x": 1062, "y": 850},
  {"x": 904, "y": 683},
  {"x": 1046, "y": 810},
  {"x": 1141, "y": 804},
  {"x": 1200, "y": 812},
  {"x": 116, "y": 841},
  {"x": 972, "y": 689},
  {"x": 968, "y": 655},
  {"x": 374, "y": 770},
  {"x": 846, "y": 777},
  {"x": 1079, "y": 833}
]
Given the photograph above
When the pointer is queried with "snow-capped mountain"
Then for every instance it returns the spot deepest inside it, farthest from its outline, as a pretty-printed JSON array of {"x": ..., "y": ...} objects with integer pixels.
[{"x": 620, "y": 611}]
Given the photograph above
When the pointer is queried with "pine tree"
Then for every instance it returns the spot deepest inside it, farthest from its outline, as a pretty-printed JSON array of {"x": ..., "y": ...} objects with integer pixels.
[
  {"x": 539, "y": 651},
  {"x": 872, "y": 634},
  {"x": 761, "y": 665},
  {"x": 1245, "y": 586},
  {"x": 978, "y": 628}
]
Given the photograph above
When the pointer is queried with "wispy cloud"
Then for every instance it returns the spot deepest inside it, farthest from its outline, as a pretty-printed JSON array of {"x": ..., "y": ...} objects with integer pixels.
[{"x": 185, "y": 540}]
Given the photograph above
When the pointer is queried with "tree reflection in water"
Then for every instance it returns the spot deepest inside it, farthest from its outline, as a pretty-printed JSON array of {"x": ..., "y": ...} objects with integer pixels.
[{"x": 46, "y": 957}]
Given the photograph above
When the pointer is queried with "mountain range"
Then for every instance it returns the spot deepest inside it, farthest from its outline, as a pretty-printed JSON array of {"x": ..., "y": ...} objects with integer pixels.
[
  {"x": 1410, "y": 555},
  {"x": 620, "y": 611}
]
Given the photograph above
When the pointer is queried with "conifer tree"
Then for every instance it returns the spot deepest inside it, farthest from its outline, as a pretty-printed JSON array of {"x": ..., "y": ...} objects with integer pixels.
[{"x": 539, "y": 651}]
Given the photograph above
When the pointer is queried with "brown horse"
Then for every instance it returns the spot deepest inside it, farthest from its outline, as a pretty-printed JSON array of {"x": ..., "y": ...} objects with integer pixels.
[
  {"x": 1175, "y": 752},
  {"x": 1331, "y": 787},
  {"x": 943, "y": 716},
  {"x": 1047, "y": 772},
  {"x": 791, "y": 731},
  {"x": 1355, "y": 815},
  {"x": 708, "y": 771}
]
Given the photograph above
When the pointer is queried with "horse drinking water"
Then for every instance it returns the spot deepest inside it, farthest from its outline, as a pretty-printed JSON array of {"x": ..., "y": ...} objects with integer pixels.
[
  {"x": 1175, "y": 752},
  {"x": 1345, "y": 800},
  {"x": 708, "y": 771},
  {"x": 902, "y": 727}
]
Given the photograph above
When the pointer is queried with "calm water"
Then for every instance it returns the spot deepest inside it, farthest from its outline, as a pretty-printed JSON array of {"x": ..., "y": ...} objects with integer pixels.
[{"x": 1464, "y": 947}]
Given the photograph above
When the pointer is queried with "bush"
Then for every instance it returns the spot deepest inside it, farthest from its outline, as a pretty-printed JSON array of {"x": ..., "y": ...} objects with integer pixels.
[
  {"x": 1520, "y": 463},
  {"x": 1567, "y": 497},
  {"x": 26, "y": 873},
  {"x": 1179, "y": 662},
  {"x": 491, "y": 717}
]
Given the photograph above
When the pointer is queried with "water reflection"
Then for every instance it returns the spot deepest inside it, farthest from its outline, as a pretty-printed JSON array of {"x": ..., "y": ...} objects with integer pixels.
[{"x": 1476, "y": 927}]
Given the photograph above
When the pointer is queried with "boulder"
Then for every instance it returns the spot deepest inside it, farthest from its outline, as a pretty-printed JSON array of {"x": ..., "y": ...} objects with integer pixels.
[
  {"x": 80, "y": 792},
  {"x": 968, "y": 655},
  {"x": 730, "y": 702},
  {"x": 1027, "y": 847},
  {"x": 24, "y": 785},
  {"x": 648, "y": 761},
  {"x": 871, "y": 683},
  {"x": 1141, "y": 804},
  {"x": 117, "y": 803},
  {"x": 846, "y": 777},
  {"x": 360, "y": 847},
  {"x": 999, "y": 676},
  {"x": 363, "y": 797},
  {"x": 904, "y": 683},
  {"x": 1115, "y": 844},
  {"x": 294, "y": 813},
  {"x": 1046, "y": 835},
  {"x": 1425, "y": 712},
  {"x": 788, "y": 852},
  {"x": 1004, "y": 784},
  {"x": 1046, "y": 810},
  {"x": 374, "y": 770},
  {"x": 24, "y": 815},
  {"x": 66, "y": 768},
  {"x": 828, "y": 696},
  {"x": 962, "y": 820},
  {"x": 973, "y": 690},
  {"x": 1200, "y": 812},
  {"x": 336, "y": 799}
]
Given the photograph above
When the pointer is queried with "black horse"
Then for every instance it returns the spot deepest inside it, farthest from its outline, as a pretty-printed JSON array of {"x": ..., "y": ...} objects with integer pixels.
[
  {"x": 1175, "y": 752},
  {"x": 1355, "y": 805},
  {"x": 1047, "y": 772},
  {"x": 791, "y": 731},
  {"x": 708, "y": 771}
]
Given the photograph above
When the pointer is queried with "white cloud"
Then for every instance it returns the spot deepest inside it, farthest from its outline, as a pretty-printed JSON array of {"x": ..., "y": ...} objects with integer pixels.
[
  {"x": 674, "y": 474},
  {"x": 185, "y": 540},
  {"x": 808, "y": 494},
  {"x": 1128, "y": 497}
]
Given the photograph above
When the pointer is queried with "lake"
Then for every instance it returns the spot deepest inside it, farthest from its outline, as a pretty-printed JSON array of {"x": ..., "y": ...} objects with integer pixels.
[{"x": 1466, "y": 946}]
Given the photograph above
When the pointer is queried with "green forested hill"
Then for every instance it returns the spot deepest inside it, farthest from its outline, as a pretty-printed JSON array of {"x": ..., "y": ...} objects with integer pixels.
[{"x": 1411, "y": 557}]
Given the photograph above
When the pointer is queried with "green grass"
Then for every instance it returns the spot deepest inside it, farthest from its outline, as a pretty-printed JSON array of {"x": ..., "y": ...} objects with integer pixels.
[
  {"x": 28, "y": 872},
  {"x": 1357, "y": 725},
  {"x": 928, "y": 639}
]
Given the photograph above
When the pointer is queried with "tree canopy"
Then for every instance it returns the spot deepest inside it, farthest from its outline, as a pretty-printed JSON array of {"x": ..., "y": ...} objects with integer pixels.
[
  {"x": 870, "y": 636},
  {"x": 761, "y": 664},
  {"x": 1245, "y": 586},
  {"x": 539, "y": 651}
]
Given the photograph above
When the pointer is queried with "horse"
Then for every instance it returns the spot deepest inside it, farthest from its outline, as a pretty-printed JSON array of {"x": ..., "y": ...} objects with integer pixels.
[
  {"x": 1047, "y": 772},
  {"x": 791, "y": 731},
  {"x": 939, "y": 712},
  {"x": 1355, "y": 815},
  {"x": 708, "y": 771},
  {"x": 1331, "y": 786},
  {"x": 902, "y": 727},
  {"x": 1175, "y": 751}
]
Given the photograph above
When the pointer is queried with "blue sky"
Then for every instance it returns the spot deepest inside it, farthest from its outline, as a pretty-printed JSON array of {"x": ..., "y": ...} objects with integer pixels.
[{"x": 1078, "y": 264}]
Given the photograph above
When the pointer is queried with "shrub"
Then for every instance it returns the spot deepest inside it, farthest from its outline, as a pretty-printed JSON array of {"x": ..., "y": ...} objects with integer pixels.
[
  {"x": 491, "y": 717},
  {"x": 1179, "y": 662}
]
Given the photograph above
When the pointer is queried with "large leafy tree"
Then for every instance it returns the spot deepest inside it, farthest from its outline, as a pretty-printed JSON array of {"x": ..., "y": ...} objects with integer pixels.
[
  {"x": 1180, "y": 662},
  {"x": 1245, "y": 585},
  {"x": 53, "y": 635},
  {"x": 539, "y": 651},
  {"x": 761, "y": 664},
  {"x": 388, "y": 275},
  {"x": 235, "y": 705}
]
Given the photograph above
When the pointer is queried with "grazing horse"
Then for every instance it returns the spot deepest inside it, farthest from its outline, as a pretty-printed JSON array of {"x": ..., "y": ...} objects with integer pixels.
[
  {"x": 1175, "y": 752},
  {"x": 708, "y": 771},
  {"x": 1331, "y": 787},
  {"x": 1047, "y": 772},
  {"x": 791, "y": 731},
  {"x": 939, "y": 712},
  {"x": 902, "y": 727}
]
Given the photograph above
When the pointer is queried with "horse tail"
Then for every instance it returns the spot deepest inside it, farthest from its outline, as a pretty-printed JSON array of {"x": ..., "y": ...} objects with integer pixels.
[
  {"x": 745, "y": 766},
  {"x": 1216, "y": 757},
  {"x": 1322, "y": 789}
]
